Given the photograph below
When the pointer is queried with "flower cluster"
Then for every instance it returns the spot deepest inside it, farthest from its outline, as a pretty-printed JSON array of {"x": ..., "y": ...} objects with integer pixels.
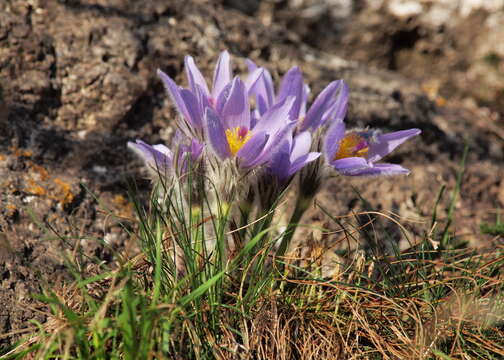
[{"x": 276, "y": 137}]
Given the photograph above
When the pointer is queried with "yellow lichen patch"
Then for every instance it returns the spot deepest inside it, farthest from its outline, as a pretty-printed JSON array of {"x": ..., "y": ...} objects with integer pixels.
[
  {"x": 352, "y": 145},
  {"x": 43, "y": 174},
  {"x": 123, "y": 205},
  {"x": 35, "y": 189},
  {"x": 431, "y": 89},
  {"x": 66, "y": 196},
  {"x": 40, "y": 183},
  {"x": 440, "y": 101},
  {"x": 11, "y": 209},
  {"x": 236, "y": 138}
]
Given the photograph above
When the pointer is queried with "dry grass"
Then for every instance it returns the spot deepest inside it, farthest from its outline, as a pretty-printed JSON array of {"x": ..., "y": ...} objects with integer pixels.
[
  {"x": 326, "y": 319},
  {"x": 344, "y": 321}
]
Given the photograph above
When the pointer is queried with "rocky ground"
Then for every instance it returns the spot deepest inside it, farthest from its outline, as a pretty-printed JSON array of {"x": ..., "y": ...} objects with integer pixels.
[{"x": 77, "y": 81}]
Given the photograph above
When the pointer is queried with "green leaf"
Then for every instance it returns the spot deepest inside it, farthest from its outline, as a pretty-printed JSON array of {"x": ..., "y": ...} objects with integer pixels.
[{"x": 202, "y": 289}]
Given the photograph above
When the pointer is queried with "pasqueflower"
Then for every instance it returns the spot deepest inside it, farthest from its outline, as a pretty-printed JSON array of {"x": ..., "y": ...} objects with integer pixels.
[
  {"x": 355, "y": 152},
  {"x": 162, "y": 160},
  {"x": 191, "y": 103},
  {"x": 231, "y": 132},
  {"x": 329, "y": 105},
  {"x": 157, "y": 157}
]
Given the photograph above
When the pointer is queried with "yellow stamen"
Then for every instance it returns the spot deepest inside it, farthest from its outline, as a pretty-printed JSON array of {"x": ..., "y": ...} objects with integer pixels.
[
  {"x": 237, "y": 137},
  {"x": 352, "y": 145}
]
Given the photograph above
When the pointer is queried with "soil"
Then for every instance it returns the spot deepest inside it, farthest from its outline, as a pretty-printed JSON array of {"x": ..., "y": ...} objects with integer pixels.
[{"x": 77, "y": 81}]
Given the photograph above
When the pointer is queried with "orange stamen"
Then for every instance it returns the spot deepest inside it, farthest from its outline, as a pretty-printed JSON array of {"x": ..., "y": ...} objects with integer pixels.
[
  {"x": 352, "y": 145},
  {"x": 237, "y": 137}
]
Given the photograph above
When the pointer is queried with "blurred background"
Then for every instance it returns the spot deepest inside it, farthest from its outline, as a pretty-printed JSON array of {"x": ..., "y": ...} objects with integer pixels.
[{"x": 454, "y": 47}]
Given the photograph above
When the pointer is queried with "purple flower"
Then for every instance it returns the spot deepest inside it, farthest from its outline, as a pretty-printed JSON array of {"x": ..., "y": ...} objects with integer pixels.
[
  {"x": 355, "y": 153},
  {"x": 292, "y": 155},
  {"x": 231, "y": 133},
  {"x": 191, "y": 103},
  {"x": 162, "y": 160},
  {"x": 157, "y": 157},
  {"x": 264, "y": 92},
  {"x": 276, "y": 133},
  {"x": 329, "y": 105}
]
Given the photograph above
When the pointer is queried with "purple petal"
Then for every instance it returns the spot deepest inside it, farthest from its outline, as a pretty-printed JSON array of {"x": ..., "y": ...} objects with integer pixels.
[
  {"x": 292, "y": 79},
  {"x": 251, "y": 65},
  {"x": 223, "y": 98},
  {"x": 193, "y": 108},
  {"x": 304, "y": 100},
  {"x": 264, "y": 92},
  {"x": 337, "y": 110},
  {"x": 203, "y": 101},
  {"x": 178, "y": 137},
  {"x": 276, "y": 138},
  {"x": 276, "y": 117},
  {"x": 236, "y": 110},
  {"x": 381, "y": 169},
  {"x": 301, "y": 145},
  {"x": 196, "y": 149},
  {"x": 269, "y": 88},
  {"x": 252, "y": 79},
  {"x": 222, "y": 74},
  {"x": 262, "y": 105},
  {"x": 194, "y": 76},
  {"x": 332, "y": 140},
  {"x": 342, "y": 100},
  {"x": 302, "y": 161},
  {"x": 174, "y": 92},
  {"x": 157, "y": 156},
  {"x": 162, "y": 149},
  {"x": 188, "y": 154},
  {"x": 216, "y": 134},
  {"x": 280, "y": 164},
  {"x": 321, "y": 104},
  {"x": 254, "y": 117},
  {"x": 292, "y": 85},
  {"x": 252, "y": 148},
  {"x": 350, "y": 165},
  {"x": 386, "y": 143}
]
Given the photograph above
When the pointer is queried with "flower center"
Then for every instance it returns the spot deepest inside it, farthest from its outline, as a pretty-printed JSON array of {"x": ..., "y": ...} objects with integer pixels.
[
  {"x": 237, "y": 137},
  {"x": 352, "y": 145}
]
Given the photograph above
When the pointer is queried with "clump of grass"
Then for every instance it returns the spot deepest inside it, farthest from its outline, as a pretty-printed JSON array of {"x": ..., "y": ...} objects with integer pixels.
[
  {"x": 209, "y": 286},
  {"x": 456, "y": 311}
]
